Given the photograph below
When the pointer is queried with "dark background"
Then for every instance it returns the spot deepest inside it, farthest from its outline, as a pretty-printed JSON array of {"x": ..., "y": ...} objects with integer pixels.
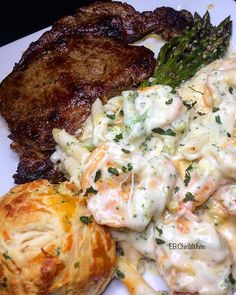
[{"x": 19, "y": 18}]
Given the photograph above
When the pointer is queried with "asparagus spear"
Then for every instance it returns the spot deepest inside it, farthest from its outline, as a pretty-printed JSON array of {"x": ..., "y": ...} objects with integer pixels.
[{"x": 180, "y": 58}]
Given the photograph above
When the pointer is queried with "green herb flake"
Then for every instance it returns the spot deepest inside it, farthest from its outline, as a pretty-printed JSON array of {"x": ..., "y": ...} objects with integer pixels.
[
  {"x": 170, "y": 132},
  {"x": 113, "y": 171},
  {"x": 160, "y": 231},
  {"x": 97, "y": 175},
  {"x": 176, "y": 189},
  {"x": 126, "y": 151},
  {"x": 169, "y": 101},
  {"x": 118, "y": 137},
  {"x": 218, "y": 120},
  {"x": 129, "y": 166},
  {"x": 189, "y": 197},
  {"x": 231, "y": 90},
  {"x": 187, "y": 176},
  {"x": 205, "y": 206},
  {"x": 159, "y": 241},
  {"x": 232, "y": 279},
  {"x": 189, "y": 168},
  {"x": 161, "y": 131},
  {"x": 214, "y": 110},
  {"x": 127, "y": 169},
  {"x": 6, "y": 256},
  {"x": 119, "y": 275},
  {"x": 201, "y": 113},
  {"x": 111, "y": 116},
  {"x": 124, "y": 169},
  {"x": 76, "y": 264},
  {"x": 86, "y": 219},
  {"x": 189, "y": 105},
  {"x": 90, "y": 190}
]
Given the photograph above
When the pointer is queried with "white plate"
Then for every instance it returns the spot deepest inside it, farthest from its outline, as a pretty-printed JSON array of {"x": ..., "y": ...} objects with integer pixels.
[{"x": 11, "y": 53}]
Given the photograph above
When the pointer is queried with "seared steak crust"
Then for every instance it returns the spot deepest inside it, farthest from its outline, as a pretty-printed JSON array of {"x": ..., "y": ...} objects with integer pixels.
[
  {"x": 83, "y": 57},
  {"x": 115, "y": 20},
  {"x": 57, "y": 89}
]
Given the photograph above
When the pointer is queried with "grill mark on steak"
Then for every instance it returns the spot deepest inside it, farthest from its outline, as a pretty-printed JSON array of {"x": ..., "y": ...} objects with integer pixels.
[{"x": 82, "y": 58}]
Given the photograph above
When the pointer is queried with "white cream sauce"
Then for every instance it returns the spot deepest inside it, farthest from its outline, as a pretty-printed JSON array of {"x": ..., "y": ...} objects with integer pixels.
[{"x": 165, "y": 150}]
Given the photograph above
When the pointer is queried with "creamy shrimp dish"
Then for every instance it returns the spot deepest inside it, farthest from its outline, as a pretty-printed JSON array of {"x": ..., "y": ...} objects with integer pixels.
[{"x": 158, "y": 166}]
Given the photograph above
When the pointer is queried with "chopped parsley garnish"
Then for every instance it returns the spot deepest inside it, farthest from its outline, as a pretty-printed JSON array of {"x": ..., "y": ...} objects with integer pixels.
[
  {"x": 232, "y": 279},
  {"x": 6, "y": 256},
  {"x": 76, "y": 264},
  {"x": 187, "y": 176},
  {"x": 176, "y": 189},
  {"x": 119, "y": 274},
  {"x": 113, "y": 171},
  {"x": 111, "y": 116},
  {"x": 97, "y": 175},
  {"x": 201, "y": 114},
  {"x": 85, "y": 219},
  {"x": 189, "y": 197},
  {"x": 205, "y": 206},
  {"x": 218, "y": 120},
  {"x": 126, "y": 151},
  {"x": 189, "y": 168},
  {"x": 118, "y": 137},
  {"x": 189, "y": 105},
  {"x": 90, "y": 190},
  {"x": 159, "y": 241},
  {"x": 214, "y": 110},
  {"x": 160, "y": 231},
  {"x": 231, "y": 90},
  {"x": 169, "y": 101},
  {"x": 170, "y": 132},
  {"x": 124, "y": 169},
  {"x": 161, "y": 131},
  {"x": 128, "y": 168}
]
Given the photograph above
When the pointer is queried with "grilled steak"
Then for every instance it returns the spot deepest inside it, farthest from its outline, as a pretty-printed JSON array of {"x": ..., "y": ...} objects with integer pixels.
[
  {"x": 115, "y": 20},
  {"x": 82, "y": 58},
  {"x": 58, "y": 88}
]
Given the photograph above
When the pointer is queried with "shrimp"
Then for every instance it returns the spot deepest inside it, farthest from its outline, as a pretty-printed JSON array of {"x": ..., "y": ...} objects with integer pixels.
[
  {"x": 197, "y": 181},
  {"x": 192, "y": 256},
  {"x": 226, "y": 195},
  {"x": 124, "y": 189},
  {"x": 220, "y": 211}
]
